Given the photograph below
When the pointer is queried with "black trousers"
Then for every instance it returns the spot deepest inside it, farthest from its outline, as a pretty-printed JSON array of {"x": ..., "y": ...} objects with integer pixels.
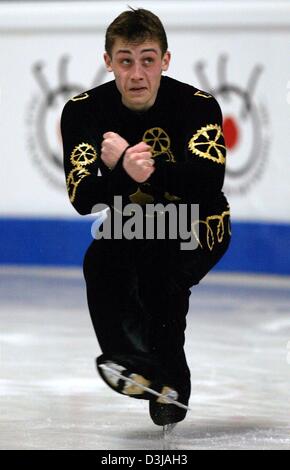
[{"x": 138, "y": 296}]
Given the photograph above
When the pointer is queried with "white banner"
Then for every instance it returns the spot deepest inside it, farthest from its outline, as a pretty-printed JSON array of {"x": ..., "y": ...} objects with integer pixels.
[{"x": 238, "y": 53}]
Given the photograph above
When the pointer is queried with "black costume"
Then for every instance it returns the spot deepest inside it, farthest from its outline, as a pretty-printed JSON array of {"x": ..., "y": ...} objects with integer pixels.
[{"x": 138, "y": 290}]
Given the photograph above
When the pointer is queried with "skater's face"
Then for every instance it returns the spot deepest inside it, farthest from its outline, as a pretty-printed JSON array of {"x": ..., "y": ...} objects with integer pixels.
[{"x": 137, "y": 69}]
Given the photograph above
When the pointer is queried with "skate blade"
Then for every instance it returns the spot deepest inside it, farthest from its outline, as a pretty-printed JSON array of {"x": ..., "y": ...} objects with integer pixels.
[
  {"x": 166, "y": 398},
  {"x": 168, "y": 428}
]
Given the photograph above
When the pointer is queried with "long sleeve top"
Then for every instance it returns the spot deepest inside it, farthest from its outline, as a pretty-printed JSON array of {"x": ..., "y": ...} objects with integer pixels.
[{"x": 184, "y": 129}]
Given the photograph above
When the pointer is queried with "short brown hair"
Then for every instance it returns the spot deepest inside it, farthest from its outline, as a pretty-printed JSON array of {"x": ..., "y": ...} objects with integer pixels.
[{"x": 136, "y": 26}]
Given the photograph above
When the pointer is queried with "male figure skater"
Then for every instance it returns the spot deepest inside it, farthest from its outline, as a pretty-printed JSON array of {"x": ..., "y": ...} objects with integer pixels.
[{"x": 149, "y": 139}]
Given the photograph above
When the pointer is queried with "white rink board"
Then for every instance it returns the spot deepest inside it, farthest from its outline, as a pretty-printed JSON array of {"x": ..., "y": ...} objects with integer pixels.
[{"x": 239, "y": 52}]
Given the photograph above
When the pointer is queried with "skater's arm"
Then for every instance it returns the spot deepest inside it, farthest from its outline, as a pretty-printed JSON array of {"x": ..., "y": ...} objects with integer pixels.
[
  {"x": 202, "y": 172},
  {"x": 81, "y": 159},
  {"x": 120, "y": 157},
  {"x": 89, "y": 181}
]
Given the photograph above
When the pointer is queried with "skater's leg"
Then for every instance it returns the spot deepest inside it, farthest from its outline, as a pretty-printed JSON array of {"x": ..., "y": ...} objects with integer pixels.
[
  {"x": 164, "y": 281},
  {"x": 165, "y": 301},
  {"x": 111, "y": 285},
  {"x": 167, "y": 304},
  {"x": 119, "y": 321}
]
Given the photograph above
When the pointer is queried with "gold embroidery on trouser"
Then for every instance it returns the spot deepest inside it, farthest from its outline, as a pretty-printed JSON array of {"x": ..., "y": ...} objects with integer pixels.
[
  {"x": 202, "y": 94},
  {"x": 82, "y": 96},
  {"x": 81, "y": 156},
  {"x": 159, "y": 141},
  {"x": 210, "y": 235},
  {"x": 208, "y": 142}
]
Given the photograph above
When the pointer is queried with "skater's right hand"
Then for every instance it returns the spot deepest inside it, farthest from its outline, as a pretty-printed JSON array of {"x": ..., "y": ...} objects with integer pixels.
[{"x": 138, "y": 162}]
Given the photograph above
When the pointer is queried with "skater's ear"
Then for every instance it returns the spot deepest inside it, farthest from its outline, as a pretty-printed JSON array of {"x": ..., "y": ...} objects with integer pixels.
[
  {"x": 108, "y": 62},
  {"x": 165, "y": 61}
]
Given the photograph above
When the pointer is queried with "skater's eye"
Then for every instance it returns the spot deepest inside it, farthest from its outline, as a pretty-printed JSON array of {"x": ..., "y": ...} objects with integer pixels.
[
  {"x": 148, "y": 60},
  {"x": 125, "y": 61}
]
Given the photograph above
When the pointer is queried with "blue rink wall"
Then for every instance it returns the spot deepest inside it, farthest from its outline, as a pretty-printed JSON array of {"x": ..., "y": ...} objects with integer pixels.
[{"x": 255, "y": 247}]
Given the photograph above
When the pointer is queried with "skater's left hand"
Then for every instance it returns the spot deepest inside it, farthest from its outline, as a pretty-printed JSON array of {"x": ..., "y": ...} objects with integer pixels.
[{"x": 113, "y": 146}]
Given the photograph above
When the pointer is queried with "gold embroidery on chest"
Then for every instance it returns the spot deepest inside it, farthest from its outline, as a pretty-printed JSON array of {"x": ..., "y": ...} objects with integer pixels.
[
  {"x": 81, "y": 156},
  {"x": 208, "y": 142},
  {"x": 171, "y": 197},
  {"x": 141, "y": 198},
  {"x": 159, "y": 141}
]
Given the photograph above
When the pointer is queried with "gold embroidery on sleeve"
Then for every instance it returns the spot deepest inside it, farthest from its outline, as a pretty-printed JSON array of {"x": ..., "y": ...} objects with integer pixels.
[
  {"x": 210, "y": 223},
  {"x": 208, "y": 143},
  {"x": 82, "y": 96},
  {"x": 159, "y": 140},
  {"x": 74, "y": 179},
  {"x": 81, "y": 156},
  {"x": 203, "y": 94}
]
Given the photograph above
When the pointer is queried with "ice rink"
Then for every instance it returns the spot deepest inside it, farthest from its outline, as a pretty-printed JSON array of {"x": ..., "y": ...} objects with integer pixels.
[{"x": 237, "y": 347}]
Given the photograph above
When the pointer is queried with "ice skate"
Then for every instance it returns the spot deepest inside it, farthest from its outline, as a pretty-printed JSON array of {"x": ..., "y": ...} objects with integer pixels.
[
  {"x": 168, "y": 414},
  {"x": 137, "y": 386}
]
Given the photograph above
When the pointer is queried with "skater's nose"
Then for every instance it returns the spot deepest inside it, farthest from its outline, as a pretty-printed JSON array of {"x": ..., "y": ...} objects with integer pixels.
[{"x": 137, "y": 71}]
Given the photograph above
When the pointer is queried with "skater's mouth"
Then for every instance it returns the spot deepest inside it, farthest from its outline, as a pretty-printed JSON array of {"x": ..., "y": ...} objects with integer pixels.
[{"x": 138, "y": 89}]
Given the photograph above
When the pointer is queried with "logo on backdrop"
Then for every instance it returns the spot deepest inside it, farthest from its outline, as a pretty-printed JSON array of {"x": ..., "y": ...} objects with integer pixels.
[
  {"x": 43, "y": 119},
  {"x": 245, "y": 125}
]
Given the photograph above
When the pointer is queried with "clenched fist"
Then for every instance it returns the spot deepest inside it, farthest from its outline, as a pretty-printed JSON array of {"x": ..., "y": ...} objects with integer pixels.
[
  {"x": 113, "y": 146},
  {"x": 138, "y": 162}
]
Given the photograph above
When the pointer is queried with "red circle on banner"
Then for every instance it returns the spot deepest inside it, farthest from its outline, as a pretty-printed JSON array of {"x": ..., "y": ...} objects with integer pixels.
[{"x": 231, "y": 132}]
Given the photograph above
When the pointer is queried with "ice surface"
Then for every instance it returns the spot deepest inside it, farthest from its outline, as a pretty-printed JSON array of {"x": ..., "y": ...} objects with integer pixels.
[{"x": 51, "y": 397}]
